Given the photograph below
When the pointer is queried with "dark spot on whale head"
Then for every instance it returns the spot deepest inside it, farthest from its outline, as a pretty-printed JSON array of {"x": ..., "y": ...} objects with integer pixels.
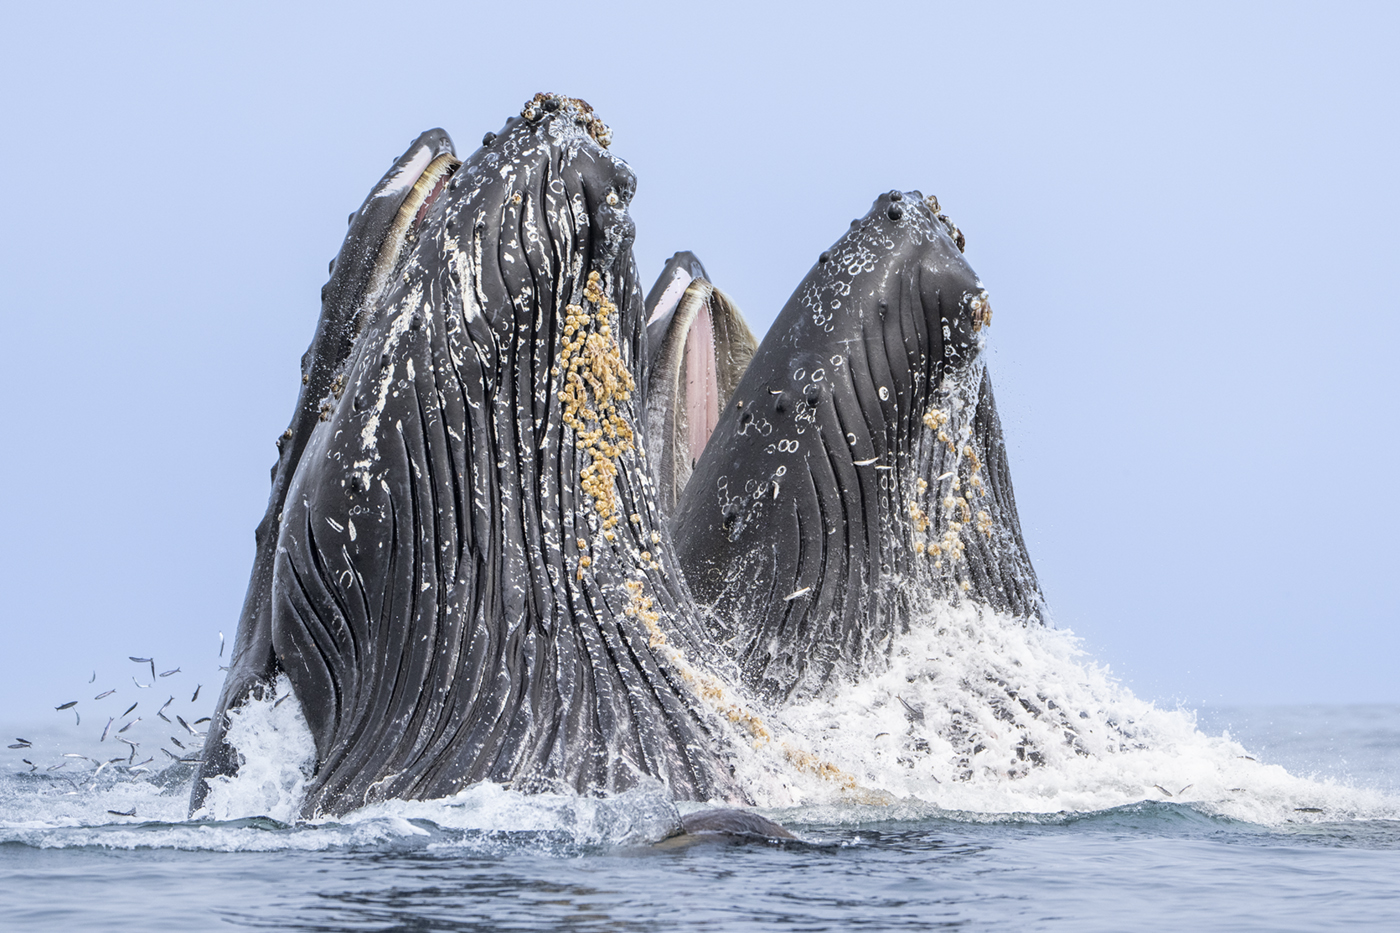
[
  {"x": 780, "y": 402},
  {"x": 384, "y": 360},
  {"x": 824, "y": 257},
  {"x": 896, "y": 195},
  {"x": 746, "y": 418},
  {"x": 855, "y": 224},
  {"x": 488, "y": 139},
  {"x": 884, "y": 307},
  {"x": 813, "y": 395},
  {"x": 895, "y": 212},
  {"x": 551, "y": 105}
]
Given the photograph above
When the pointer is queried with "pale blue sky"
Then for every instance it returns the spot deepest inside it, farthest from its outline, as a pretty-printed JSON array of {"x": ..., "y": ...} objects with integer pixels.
[{"x": 1185, "y": 219}]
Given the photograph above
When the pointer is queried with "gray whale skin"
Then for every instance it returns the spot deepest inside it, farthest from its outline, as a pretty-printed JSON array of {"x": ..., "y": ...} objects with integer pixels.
[{"x": 527, "y": 526}]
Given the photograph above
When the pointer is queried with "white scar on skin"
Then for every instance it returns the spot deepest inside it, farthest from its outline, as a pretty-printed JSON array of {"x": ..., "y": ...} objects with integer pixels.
[{"x": 369, "y": 440}]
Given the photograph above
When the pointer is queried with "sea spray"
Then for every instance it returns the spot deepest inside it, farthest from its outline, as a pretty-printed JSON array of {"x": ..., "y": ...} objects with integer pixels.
[
  {"x": 978, "y": 713},
  {"x": 276, "y": 754}
]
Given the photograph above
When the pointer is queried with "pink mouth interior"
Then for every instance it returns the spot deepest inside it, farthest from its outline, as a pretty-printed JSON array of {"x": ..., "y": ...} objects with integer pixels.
[
  {"x": 701, "y": 381},
  {"x": 428, "y": 201}
]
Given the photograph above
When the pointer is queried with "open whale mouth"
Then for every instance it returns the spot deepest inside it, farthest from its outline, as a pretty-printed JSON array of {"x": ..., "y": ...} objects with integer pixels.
[
  {"x": 471, "y": 570},
  {"x": 422, "y": 192}
]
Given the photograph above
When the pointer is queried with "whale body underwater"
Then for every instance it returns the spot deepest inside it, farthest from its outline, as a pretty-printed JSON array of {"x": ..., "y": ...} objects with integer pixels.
[{"x": 531, "y": 527}]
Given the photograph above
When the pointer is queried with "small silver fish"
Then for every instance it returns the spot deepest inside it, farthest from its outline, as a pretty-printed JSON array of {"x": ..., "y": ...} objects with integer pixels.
[{"x": 105, "y": 694}]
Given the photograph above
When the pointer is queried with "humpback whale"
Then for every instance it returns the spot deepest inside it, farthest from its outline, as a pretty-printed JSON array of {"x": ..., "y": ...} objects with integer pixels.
[
  {"x": 529, "y": 527},
  {"x": 861, "y": 463}
]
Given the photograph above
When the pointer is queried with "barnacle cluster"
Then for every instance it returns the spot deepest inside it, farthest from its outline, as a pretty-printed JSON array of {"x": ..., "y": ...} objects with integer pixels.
[
  {"x": 713, "y": 691},
  {"x": 957, "y": 503},
  {"x": 981, "y": 311},
  {"x": 596, "y": 382},
  {"x": 584, "y": 116}
]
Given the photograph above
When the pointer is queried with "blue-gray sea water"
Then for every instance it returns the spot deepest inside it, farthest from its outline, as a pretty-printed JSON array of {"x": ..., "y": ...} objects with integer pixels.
[{"x": 1328, "y": 857}]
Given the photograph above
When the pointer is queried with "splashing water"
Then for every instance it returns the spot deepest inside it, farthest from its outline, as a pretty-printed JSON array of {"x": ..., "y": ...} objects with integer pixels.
[
  {"x": 276, "y": 757},
  {"x": 976, "y": 717},
  {"x": 981, "y": 714}
]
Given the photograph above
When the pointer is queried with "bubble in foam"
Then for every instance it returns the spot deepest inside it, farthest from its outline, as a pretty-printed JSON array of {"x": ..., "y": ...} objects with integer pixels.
[{"x": 276, "y": 755}]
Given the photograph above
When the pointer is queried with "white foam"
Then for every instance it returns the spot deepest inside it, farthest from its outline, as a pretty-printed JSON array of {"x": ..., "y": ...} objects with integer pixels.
[
  {"x": 276, "y": 755},
  {"x": 980, "y": 714}
]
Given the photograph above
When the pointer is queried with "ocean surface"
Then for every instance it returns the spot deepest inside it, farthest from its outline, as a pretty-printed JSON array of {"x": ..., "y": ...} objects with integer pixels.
[{"x": 1241, "y": 818}]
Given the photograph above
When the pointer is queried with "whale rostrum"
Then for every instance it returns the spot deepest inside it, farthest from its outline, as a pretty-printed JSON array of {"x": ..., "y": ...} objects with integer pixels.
[{"x": 528, "y": 527}]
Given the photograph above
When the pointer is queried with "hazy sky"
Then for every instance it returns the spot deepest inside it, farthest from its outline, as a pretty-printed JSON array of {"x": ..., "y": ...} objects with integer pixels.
[{"x": 1185, "y": 219}]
